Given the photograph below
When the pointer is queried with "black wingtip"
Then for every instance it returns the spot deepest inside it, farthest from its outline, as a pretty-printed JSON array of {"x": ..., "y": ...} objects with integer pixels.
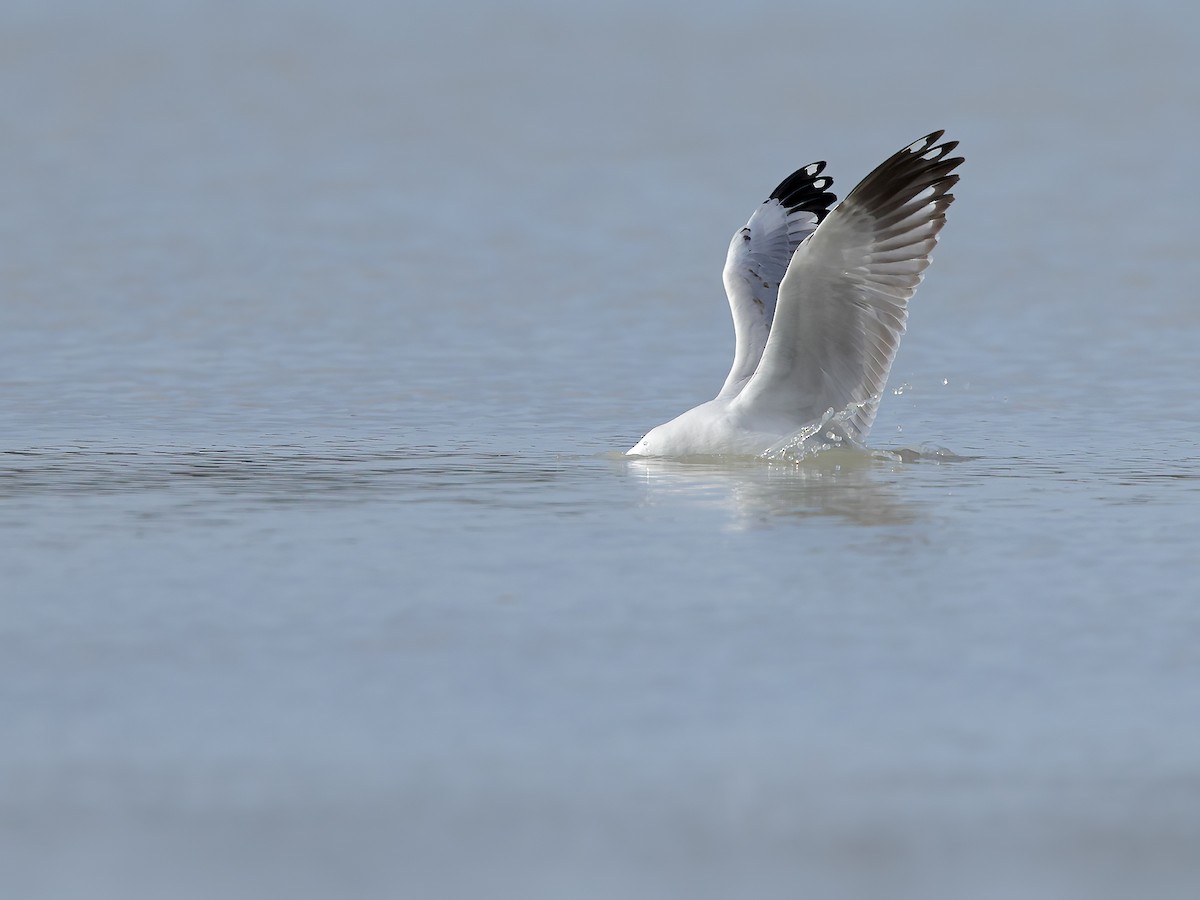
[
  {"x": 928, "y": 147},
  {"x": 806, "y": 189},
  {"x": 923, "y": 164}
]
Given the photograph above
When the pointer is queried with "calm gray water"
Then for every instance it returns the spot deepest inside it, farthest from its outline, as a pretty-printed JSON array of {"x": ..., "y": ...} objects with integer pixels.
[{"x": 319, "y": 573}]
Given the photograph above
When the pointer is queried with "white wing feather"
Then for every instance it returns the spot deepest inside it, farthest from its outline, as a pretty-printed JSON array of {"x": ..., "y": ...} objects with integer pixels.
[
  {"x": 843, "y": 302},
  {"x": 758, "y": 259}
]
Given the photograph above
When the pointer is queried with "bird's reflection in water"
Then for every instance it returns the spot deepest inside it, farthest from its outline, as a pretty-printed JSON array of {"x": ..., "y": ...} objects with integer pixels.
[{"x": 851, "y": 485}]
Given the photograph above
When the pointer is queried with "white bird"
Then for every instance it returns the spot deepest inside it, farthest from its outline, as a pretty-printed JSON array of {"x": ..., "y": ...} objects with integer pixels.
[{"x": 819, "y": 301}]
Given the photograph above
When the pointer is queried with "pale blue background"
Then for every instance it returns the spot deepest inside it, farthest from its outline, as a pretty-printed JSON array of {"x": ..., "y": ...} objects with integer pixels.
[{"x": 318, "y": 574}]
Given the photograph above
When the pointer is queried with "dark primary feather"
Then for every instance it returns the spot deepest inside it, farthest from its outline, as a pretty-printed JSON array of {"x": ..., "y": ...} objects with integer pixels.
[
  {"x": 803, "y": 189},
  {"x": 890, "y": 192}
]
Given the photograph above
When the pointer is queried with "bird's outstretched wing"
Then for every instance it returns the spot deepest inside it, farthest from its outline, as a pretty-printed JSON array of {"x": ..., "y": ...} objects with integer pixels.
[
  {"x": 758, "y": 258},
  {"x": 843, "y": 303}
]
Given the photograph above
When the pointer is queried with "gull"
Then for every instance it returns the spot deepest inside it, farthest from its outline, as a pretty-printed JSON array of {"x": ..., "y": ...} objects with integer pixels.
[{"x": 819, "y": 300}]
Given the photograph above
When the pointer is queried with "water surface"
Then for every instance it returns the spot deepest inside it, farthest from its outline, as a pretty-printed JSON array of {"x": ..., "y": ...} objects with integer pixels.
[{"x": 321, "y": 573}]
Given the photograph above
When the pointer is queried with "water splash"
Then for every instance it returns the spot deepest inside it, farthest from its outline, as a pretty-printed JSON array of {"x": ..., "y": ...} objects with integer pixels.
[
  {"x": 833, "y": 431},
  {"x": 830, "y": 432},
  {"x": 923, "y": 453}
]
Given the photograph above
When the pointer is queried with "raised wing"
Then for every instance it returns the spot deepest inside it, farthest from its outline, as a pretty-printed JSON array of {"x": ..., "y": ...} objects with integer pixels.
[
  {"x": 758, "y": 258},
  {"x": 844, "y": 301}
]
